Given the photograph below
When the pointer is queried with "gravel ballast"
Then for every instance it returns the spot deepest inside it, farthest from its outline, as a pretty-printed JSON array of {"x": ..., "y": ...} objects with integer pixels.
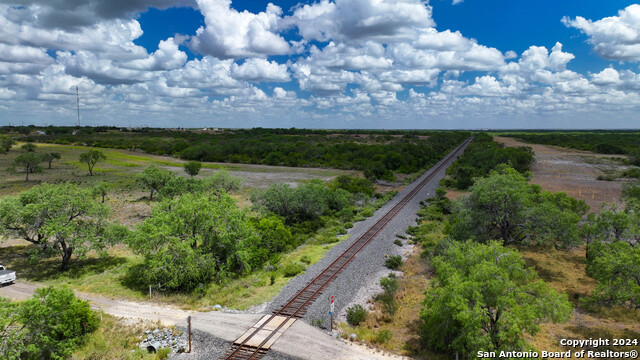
[
  {"x": 207, "y": 347},
  {"x": 359, "y": 279}
]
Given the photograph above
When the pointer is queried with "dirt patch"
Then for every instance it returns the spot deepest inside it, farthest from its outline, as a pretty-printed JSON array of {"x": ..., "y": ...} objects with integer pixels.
[
  {"x": 559, "y": 169},
  {"x": 454, "y": 194}
]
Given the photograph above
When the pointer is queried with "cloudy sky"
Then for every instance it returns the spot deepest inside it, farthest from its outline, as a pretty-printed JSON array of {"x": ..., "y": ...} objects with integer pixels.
[{"x": 322, "y": 64}]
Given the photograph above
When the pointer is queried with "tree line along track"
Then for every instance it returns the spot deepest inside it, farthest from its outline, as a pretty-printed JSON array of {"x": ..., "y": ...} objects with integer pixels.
[{"x": 256, "y": 342}]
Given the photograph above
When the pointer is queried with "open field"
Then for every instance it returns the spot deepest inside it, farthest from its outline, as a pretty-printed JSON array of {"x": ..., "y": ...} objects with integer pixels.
[
  {"x": 125, "y": 198},
  {"x": 121, "y": 166},
  {"x": 573, "y": 171}
]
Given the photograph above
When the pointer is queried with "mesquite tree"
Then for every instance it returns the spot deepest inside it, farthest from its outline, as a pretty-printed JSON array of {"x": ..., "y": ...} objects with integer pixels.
[
  {"x": 59, "y": 218},
  {"x": 91, "y": 158}
]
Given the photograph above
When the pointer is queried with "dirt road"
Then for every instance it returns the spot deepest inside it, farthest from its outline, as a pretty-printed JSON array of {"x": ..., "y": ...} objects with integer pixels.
[{"x": 300, "y": 341}]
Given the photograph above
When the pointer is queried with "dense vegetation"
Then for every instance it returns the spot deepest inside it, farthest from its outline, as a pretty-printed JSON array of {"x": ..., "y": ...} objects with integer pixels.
[
  {"x": 197, "y": 233},
  {"x": 379, "y": 154},
  {"x": 51, "y": 325},
  {"x": 505, "y": 207},
  {"x": 484, "y": 298},
  {"x": 604, "y": 142},
  {"x": 483, "y": 155},
  {"x": 613, "y": 254}
]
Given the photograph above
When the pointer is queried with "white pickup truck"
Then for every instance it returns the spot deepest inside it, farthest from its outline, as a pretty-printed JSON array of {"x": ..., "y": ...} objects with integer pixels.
[{"x": 6, "y": 276}]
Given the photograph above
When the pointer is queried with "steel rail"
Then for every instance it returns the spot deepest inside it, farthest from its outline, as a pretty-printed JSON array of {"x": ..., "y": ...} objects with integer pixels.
[{"x": 362, "y": 241}]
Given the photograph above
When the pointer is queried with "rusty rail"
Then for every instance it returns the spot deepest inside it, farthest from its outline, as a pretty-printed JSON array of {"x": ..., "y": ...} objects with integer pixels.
[{"x": 296, "y": 307}]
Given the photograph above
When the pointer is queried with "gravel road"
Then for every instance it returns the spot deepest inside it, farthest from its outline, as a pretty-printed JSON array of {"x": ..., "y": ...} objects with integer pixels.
[{"x": 358, "y": 279}]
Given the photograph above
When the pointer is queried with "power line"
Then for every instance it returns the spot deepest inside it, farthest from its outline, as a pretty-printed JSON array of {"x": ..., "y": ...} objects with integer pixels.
[{"x": 78, "y": 101}]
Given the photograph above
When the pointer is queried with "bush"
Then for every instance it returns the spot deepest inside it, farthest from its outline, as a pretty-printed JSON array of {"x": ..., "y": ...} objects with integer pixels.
[
  {"x": 397, "y": 242},
  {"x": 631, "y": 191},
  {"x": 52, "y": 324},
  {"x": 304, "y": 203},
  {"x": 293, "y": 269},
  {"x": 367, "y": 212},
  {"x": 356, "y": 314},
  {"x": 393, "y": 262},
  {"x": 382, "y": 336},
  {"x": 348, "y": 225},
  {"x": 354, "y": 185},
  {"x": 387, "y": 298},
  {"x": 632, "y": 173}
]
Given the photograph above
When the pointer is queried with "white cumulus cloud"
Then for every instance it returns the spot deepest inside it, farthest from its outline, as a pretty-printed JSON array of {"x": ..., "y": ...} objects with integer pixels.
[
  {"x": 614, "y": 37},
  {"x": 229, "y": 33}
]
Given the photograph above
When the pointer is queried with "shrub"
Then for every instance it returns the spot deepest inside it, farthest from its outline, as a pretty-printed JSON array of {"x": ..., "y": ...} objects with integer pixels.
[
  {"x": 348, "y": 225},
  {"x": 387, "y": 298},
  {"x": 192, "y": 168},
  {"x": 393, "y": 262},
  {"x": 52, "y": 324},
  {"x": 292, "y": 269},
  {"x": 356, "y": 314},
  {"x": 367, "y": 212},
  {"x": 632, "y": 173},
  {"x": 382, "y": 336},
  {"x": 397, "y": 242}
]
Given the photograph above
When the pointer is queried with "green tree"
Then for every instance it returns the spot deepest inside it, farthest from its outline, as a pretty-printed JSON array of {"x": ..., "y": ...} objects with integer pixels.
[
  {"x": 51, "y": 325},
  {"x": 504, "y": 206},
  {"x": 29, "y": 147},
  {"x": 222, "y": 180},
  {"x": 190, "y": 238},
  {"x": 28, "y": 162},
  {"x": 616, "y": 268},
  {"x": 100, "y": 190},
  {"x": 154, "y": 178},
  {"x": 192, "y": 168},
  {"x": 49, "y": 157},
  {"x": 274, "y": 236},
  {"x": 613, "y": 254},
  {"x": 91, "y": 158},
  {"x": 305, "y": 202},
  {"x": 5, "y": 144},
  {"x": 485, "y": 299},
  {"x": 61, "y": 219}
]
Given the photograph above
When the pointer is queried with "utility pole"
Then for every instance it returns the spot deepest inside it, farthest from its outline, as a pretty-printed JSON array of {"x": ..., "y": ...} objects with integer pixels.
[{"x": 78, "y": 102}]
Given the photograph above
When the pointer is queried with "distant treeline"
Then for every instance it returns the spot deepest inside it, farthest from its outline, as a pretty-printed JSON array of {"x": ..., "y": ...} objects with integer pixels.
[
  {"x": 603, "y": 142},
  {"x": 482, "y": 156},
  {"x": 378, "y": 153}
]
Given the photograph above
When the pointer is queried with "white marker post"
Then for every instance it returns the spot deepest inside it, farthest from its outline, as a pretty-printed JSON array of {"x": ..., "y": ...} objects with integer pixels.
[{"x": 331, "y": 314}]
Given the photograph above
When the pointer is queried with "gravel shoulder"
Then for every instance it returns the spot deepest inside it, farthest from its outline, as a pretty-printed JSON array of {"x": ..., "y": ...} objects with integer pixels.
[{"x": 359, "y": 280}]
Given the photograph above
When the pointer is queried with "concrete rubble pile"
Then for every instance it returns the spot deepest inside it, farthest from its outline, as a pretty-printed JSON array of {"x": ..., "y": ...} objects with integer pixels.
[{"x": 164, "y": 338}]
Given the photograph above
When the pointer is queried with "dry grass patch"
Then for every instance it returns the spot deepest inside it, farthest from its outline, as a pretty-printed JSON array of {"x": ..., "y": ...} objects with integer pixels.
[{"x": 565, "y": 271}]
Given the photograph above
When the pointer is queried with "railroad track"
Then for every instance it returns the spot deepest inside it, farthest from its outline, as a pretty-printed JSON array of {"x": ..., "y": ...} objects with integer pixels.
[{"x": 255, "y": 343}]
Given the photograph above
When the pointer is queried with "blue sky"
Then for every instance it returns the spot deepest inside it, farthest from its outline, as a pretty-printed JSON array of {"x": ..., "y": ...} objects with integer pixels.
[{"x": 322, "y": 64}]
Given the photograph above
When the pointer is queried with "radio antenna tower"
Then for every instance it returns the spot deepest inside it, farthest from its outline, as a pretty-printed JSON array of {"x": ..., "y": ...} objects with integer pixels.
[{"x": 78, "y": 102}]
